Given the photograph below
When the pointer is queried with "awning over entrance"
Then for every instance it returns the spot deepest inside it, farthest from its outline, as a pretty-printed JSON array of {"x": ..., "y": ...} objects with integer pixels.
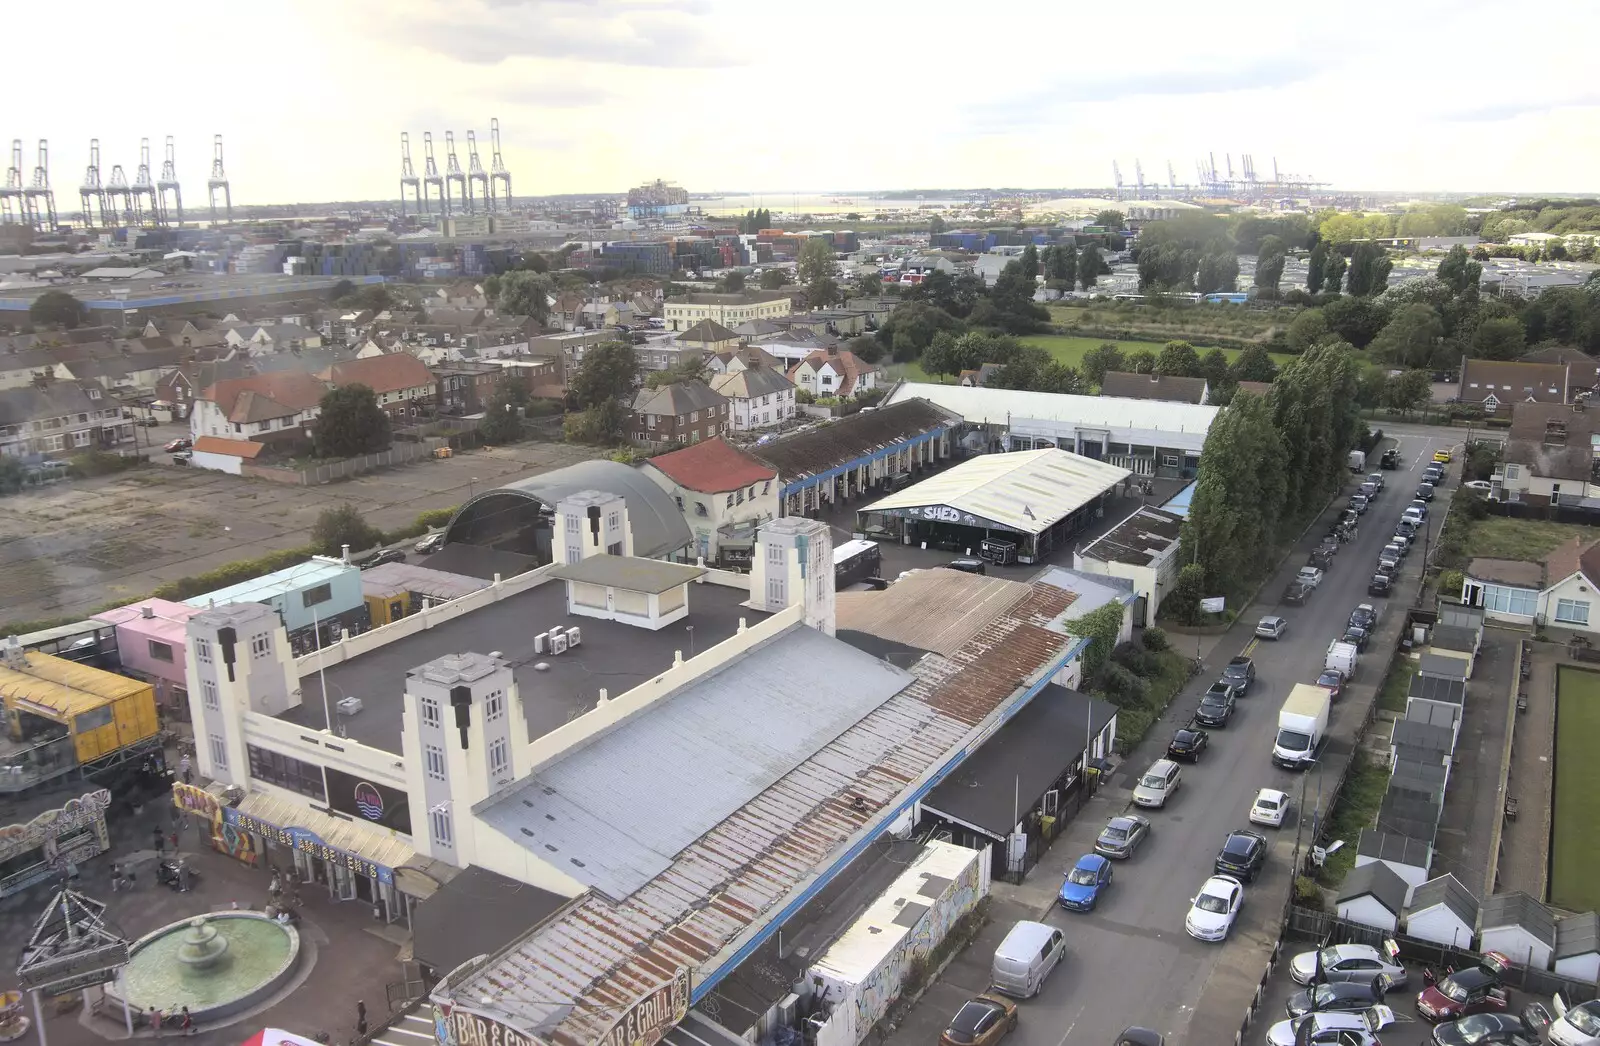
[{"x": 370, "y": 851}]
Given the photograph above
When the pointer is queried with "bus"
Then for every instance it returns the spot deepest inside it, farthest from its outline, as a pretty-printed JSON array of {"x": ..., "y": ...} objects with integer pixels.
[{"x": 854, "y": 562}]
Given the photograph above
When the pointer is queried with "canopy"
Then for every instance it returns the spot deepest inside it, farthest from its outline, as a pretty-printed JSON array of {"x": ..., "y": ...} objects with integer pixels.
[{"x": 278, "y": 1037}]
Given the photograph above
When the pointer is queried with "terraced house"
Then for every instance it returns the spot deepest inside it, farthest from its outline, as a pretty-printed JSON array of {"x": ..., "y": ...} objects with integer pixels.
[{"x": 59, "y": 418}]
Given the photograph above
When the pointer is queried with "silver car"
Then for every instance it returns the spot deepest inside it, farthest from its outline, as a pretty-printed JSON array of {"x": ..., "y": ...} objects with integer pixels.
[
  {"x": 1272, "y": 628},
  {"x": 1122, "y": 836},
  {"x": 1308, "y": 967}
]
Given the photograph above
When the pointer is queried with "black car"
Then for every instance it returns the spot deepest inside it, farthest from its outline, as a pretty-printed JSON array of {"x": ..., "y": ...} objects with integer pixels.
[
  {"x": 968, "y": 566},
  {"x": 1496, "y": 1029},
  {"x": 1187, "y": 743},
  {"x": 1390, "y": 459},
  {"x": 1368, "y": 490},
  {"x": 1242, "y": 855},
  {"x": 1356, "y": 637},
  {"x": 1348, "y": 997},
  {"x": 1358, "y": 504},
  {"x": 1216, "y": 707},
  {"x": 1240, "y": 673},
  {"x": 1425, "y": 492},
  {"x": 379, "y": 558},
  {"x": 1379, "y": 585},
  {"x": 1363, "y": 617}
]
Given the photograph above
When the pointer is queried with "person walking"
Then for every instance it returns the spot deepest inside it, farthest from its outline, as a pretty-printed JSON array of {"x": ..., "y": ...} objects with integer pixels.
[
  {"x": 186, "y": 769},
  {"x": 183, "y": 875},
  {"x": 155, "y": 1021},
  {"x": 160, "y": 840},
  {"x": 116, "y": 876},
  {"x": 187, "y": 1023},
  {"x": 361, "y": 1017}
]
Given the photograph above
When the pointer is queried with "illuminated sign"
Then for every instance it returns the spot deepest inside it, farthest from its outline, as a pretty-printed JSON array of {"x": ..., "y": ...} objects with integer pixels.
[
  {"x": 368, "y": 801},
  {"x": 308, "y": 842},
  {"x": 75, "y": 814}
]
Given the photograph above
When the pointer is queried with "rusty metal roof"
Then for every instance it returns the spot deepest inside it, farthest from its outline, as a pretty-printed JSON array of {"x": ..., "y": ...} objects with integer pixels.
[{"x": 732, "y": 882}]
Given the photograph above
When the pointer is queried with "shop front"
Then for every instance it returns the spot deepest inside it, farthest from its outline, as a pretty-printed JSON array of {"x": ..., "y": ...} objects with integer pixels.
[{"x": 45, "y": 846}]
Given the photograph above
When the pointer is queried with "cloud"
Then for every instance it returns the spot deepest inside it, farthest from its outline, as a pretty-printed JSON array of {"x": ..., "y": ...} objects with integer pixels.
[
  {"x": 640, "y": 33},
  {"x": 1500, "y": 109}
]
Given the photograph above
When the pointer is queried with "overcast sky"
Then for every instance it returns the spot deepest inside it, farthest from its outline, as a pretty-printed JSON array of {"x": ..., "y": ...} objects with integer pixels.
[{"x": 599, "y": 95}]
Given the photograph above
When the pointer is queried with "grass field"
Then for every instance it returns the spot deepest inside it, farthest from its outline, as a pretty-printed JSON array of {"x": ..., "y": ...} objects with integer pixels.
[
  {"x": 1397, "y": 685},
  {"x": 1574, "y": 842},
  {"x": 1070, "y": 351},
  {"x": 1356, "y": 809},
  {"x": 1499, "y": 537}
]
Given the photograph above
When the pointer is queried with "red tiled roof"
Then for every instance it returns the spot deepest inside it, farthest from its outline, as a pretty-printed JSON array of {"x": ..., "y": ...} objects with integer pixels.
[
  {"x": 713, "y": 466},
  {"x": 391, "y": 372},
  {"x": 844, "y": 361},
  {"x": 264, "y": 396},
  {"x": 237, "y": 448}
]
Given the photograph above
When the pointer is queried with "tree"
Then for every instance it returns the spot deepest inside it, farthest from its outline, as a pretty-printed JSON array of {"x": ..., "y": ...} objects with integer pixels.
[
  {"x": 1214, "y": 368},
  {"x": 524, "y": 293},
  {"x": 607, "y": 373},
  {"x": 1410, "y": 339},
  {"x": 775, "y": 279},
  {"x": 342, "y": 290},
  {"x": 910, "y": 328},
  {"x": 1028, "y": 261},
  {"x": 1356, "y": 320},
  {"x": 1219, "y": 271},
  {"x": 56, "y": 308},
  {"x": 1314, "y": 406},
  {"x": 1408, "y": 391},
  {"x": 1111, "y": 220},
  {"x": 1317, "y": 267},
  {"x": 340, "y": 526},
  {"x": 1459, "y": 272},
  {"x": 601, "y": 423},
  {"x": 936, "y": 225},
  {"x": 733, "y": 282},
  {"x": 1062, "y": 268},
  {"x": 1369, "y": 270},
  {"x": 1306, "y": 329},
  {"x": 1097, "y": 361},
  {"x": 12, "y": 474},
  {"x": 1178, "y": 360},
  {"x": 940, "y": 355},
  {"x": 1333, "y": 275},
  {"x": 1499, "y": 338},
  {"x": 868, "y": 285},
  {"x": 1240, "y": 498},
  {"x": 755, "y": 221},
  {"x": 816, "y": 265},
  {"x": 1270, "y": 260},
  {"x": 502, "y": 421},
  {"x": 1141, "y": 362},
  {"x": 1034, "y": 369},
  {"x": 1090, "y": 266},
  {"x": 1253, "y": 363},
  {"x": 351, "y": 424}
]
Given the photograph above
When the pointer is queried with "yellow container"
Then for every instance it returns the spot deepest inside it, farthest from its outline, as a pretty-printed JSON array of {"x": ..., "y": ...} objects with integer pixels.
[{"x": 101, "y": 710}]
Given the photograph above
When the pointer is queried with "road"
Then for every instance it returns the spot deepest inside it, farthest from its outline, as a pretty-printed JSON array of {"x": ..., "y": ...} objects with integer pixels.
[{"x": 1130, "y": 962}]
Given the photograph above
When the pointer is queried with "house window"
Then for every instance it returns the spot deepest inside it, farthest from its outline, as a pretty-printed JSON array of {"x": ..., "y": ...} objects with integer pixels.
[
  {"x": 208, "y": 695},
  {"x": 572, "y": 524},
  {"x": 694, "y": 416},
  {"x": 435, "y": 761},
  {"x": 499, "y": 756},
  {"x": 1513, "y": 471},
  {"x": 160, "y": 651},
  {"x": 613, "y": 519},
  {"x": 774, "y": 590},
  {"x": 730, "y": 501},
  {"x": 430, "y": 712},
  {"x": 441, "y": 827},
  {"x": 1504, "y": 600},
  {"x": 1572, "y": 611},
  {"x": 494, "y": 706},
  {"x": 202, "y": 651},
  {"x": 1170, "y": 460},
  {"x": 739, "y": 495},
  {"x": 260, "y": 645},
  {"x": 766, "y": 487},
  {"x": 219, "y": 752},
  {"x": 320, "y": 594}
]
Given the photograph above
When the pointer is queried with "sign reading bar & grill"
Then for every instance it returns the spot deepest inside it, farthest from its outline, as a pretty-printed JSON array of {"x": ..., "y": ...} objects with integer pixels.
[
  {"x": 653, "y": 1015},
  {"x": 470, "y": 1029}
]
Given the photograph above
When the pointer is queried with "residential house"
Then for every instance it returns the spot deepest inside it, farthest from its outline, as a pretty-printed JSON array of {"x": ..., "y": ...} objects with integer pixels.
[
  {"x": 876, "y": 309},
  {"x": 463, "y": 318},
  {"x": 261, "y": 340},
  {"x": 759, "y": 330},
  {"x": 129, "y": 370},
  {"x": 724, "y": 494},
  {"x": 279, "y": 406},
  {"x": 1260, "y": 388},
  {"x": 834, "y": 372},
  {"x": 1583, "y": 370},
  {"x": 791, "y": 349},
  {"x": 403, "y": 384},
  {"x": 24, "y": 358},
  {"x": 835, "y": 323},
  {"x": 597, "y": 315},
  {"x": 735, "y": 360},
  {"x": 1164, "y": 387},
  {"x": 710, "y": 337},
  {"x": 461, "y": 295},
  {"x": 1551, "y": 455},
  {"x": 730, "y": 310},
  {"x": 461, "y": 389},
  {"x": 667, "y": 353},
  {"x": 761, "y": 396},
  {"x": 683, "y": 412},
  {"x": 1497, "y": 385},
  {"x": 195, "y": 333},
  {"x": 177, "y": 389},
  {"x": 978, "y": 376},
  {"x": 59, "y": 418},
  {"x": 542, "y": 376}
]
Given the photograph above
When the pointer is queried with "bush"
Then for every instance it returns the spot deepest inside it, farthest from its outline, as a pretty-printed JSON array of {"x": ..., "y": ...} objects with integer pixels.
[
  {"x": 1132, "y": 725},
  {"x": 436, "y": 517},
  {"x": 1307, "y": 894},
  {"x": 1136, "y": 659},
  {"x": 1450, "y": 582},
  {"x": 1123, "y": 686},
  {"x": 100, "y": 463},
  {"x": 804, "y": 396},
  {"x": 232, "y": 574},
  {"x": 344, "y": 525},
  {"x": 1155, "y": 640}
]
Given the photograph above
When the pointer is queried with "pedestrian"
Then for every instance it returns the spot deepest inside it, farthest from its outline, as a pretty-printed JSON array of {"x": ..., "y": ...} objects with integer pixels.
[
  {"x": 155, "y": 1021},
  {"x": 174, "y": 838},
  {"x": 187, "y": 1024},
  {"x": 361, "y": 1017},
  {"x": 116, "y": 876},
  {"x": 160, "y": 840},
  {"x": 275, "y": 887},
  {"x": 185, "y": 769},
  {"x": 183, "y": 875}
]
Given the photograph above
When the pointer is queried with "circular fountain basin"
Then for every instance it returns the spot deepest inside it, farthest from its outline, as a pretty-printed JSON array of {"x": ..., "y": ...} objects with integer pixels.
[{"x": 260, "y": 956}]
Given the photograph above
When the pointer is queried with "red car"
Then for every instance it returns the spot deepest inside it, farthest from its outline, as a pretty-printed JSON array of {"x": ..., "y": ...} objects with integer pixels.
[
  {"x": 1332, "y": 680},
  {"x": 1465, "y": 992}
]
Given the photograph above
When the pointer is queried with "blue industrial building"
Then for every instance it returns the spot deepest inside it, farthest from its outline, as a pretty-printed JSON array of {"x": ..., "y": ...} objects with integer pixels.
[{"x": 322, "y": 594}]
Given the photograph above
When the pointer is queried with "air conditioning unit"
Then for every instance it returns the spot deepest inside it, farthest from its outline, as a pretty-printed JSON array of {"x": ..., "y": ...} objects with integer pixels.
[
  {"x": 348, "y": 705},
  {"x": 574, "y": 636},
  {"x": 539, "y": 644},
  {"x": 558, "y": 643}
]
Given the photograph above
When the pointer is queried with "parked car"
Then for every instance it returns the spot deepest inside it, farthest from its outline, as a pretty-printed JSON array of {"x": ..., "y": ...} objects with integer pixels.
[
  {"x": 1241, "y": 672},
  {"x": 1216, "y": 705},
  {"x": 1436, "y": 475},
  {"x": 1379, "y": 585},
  {"x": 1442, "y": 456},
  {"x": 1122, "y": 836},
  {"x": 1365, "y": 615},
  {"x": 1270, "y": 808},
  {"x": 1080, "y": 890},
  {"x": 968, "y": 566},
  {"x": 1357, "y": 637},
  {"x": 1479, "y": 485},
  {"x": 1576, "y": 1025},
  {"x": 1527, "y": 1028},
  {"x": 1311, "y": 967},
  {"x": 1309, "y": 575},
  {"x": 379, "y": 558},
  {"x": 1335, "y": 1028},
  {"x": 1390, "y": 459},
  {"x": 1358, "y": 504},
  {"x": 430, "y": 542},
  {"x": 982, "y": 1021},
  {"x": 1332, "y": 680},
  {"x": 1477, "y": 989},
  {"x": 1418, "y": 506},
  {"x": 173, "y": 446},
  {"x": 183, "y": 457},
  {"x": 1376, "y": 479},
  {"x": 1345, "y": 997},
  {"x": 1297, "y": 593},
  {"x": 1187, "y": 744},
  {"x": 1368, "y": 491},
  {"x": 1158, "y": 784},
  {"x": 1243, "y": 854},
  {"x": 1389, "y": 559},
  {"x": 1425, "y": 492},
  {"x": 1213, "y": 909},
  {"x": 1139, "y": 1037},
  {"x": 1271, "y": 627}
]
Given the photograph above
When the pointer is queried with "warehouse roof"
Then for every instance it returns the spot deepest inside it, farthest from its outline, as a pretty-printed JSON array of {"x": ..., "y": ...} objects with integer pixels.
[
  {"x": 936, "y": 610},
  {"x": 991, "y": 406},
  {"x": 1027, "y": 491},
  {"x": 1137, "y": 540},
  {"x": 838, "y": 443}
]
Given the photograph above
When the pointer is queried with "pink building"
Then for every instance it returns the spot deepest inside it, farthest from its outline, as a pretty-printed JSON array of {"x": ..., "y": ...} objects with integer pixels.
[{"x": 150, "y": 640}]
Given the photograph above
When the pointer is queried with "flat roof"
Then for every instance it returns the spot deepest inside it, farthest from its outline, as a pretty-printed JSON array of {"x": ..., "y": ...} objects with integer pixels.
[
  {"x": 1026, "y": 490},
  {"x": 1137, "y": 540},
  {"x": 278, "y": 583},
  {"x": 1392, "y": 846},
  {"x": 1444, "y": 691},
  {"x": 1515, "y": 573},
  {"x": 629, "y": 573},
  {"x": 477, "y": 913},
  {"x": 391, "y": 579},
  {"x": 938, "y": 609},
  {"x": 616, "y": 812},
  {"x": 614, "y": 657},
  {"x": 981, "y": 405},
  {"x": 62, "y": 688},
  {"x": 169, "y": 623}
]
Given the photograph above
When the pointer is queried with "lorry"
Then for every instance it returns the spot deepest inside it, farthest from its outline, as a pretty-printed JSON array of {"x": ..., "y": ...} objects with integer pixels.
[
  {"x": 1342, "y": 656},
  {"x": 1302, "y": 727},
  {"x": 1357, "y": 461}
]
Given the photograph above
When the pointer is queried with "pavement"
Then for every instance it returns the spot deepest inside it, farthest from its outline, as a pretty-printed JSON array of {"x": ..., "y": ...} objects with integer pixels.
[
  {"x": 1525, "y": 842},
  {"x": 1130, "y": 961},
  {"x": 343, "y": 958},
  {"x": 75, "y": 545}
]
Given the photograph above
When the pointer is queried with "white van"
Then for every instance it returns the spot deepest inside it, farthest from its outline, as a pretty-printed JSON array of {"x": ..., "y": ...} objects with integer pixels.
[{"x": 1026, "y": 957}]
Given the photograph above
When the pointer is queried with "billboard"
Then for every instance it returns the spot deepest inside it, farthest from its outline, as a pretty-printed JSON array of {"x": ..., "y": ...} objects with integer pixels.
[{"x": 369, "y": 802}]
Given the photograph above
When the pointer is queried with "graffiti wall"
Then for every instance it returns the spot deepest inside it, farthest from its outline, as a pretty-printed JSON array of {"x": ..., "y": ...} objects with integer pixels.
[
  {"x": 860, "y": 977},
  {"x": 206, "y": 812}
]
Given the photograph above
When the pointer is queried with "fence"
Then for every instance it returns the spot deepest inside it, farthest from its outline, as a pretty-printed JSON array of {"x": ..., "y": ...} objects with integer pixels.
[
  {"x": 316, "y": 475},
  {"x": 1326, "y": 927},
  {"x": 1261, "y": 993},
  {"x": 1578, "y": 514}
]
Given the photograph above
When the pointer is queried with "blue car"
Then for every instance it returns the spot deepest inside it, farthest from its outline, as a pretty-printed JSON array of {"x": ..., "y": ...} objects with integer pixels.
[{"x": 1083, "y": 884}]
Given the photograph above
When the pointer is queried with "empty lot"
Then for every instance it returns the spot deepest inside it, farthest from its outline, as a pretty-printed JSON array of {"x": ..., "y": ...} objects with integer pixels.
[{"x": 78, "y": 545}]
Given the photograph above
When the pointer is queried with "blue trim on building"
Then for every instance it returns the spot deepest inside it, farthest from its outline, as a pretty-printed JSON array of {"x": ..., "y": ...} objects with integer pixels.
[
  {"x": 877, "y": 455},
  {"x": 711, "y": 980}
]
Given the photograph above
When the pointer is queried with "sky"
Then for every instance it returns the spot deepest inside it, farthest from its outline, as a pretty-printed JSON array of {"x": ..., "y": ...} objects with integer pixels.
[{"x": 593, "y": 96}]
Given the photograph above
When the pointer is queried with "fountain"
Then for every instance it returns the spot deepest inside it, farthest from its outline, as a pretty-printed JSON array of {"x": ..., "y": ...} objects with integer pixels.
[{"x": 217, "y": 965}]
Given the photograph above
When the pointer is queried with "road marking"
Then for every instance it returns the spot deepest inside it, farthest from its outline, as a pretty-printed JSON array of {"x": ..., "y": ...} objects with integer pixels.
[
  {"x": 1074, "y": 1023},
  {"x": 1250, "y": 647}
]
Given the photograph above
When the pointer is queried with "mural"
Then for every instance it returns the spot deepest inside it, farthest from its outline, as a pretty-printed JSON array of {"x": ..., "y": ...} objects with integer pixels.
[{"x": 207, "y": 810}]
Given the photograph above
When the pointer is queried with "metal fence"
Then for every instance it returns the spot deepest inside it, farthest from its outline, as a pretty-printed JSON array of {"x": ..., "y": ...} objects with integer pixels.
[{"x": 1261, "y": 993}]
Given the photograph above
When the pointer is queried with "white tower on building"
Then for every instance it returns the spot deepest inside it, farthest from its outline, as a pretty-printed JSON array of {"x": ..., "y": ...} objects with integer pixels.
[
  {"x": 794, "y": 564},
  {"x": 591, "y": 523},
  {"x": 239, "y": 661}
]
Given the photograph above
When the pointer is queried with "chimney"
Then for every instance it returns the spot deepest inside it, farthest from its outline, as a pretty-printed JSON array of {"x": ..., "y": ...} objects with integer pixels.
[
  {"x": 344, "y": 553},
  {"x": 148, "y": 613}
]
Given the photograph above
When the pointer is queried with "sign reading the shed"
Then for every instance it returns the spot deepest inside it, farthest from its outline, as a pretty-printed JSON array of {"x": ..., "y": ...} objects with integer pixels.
[{"x": 653, "y": 1015}]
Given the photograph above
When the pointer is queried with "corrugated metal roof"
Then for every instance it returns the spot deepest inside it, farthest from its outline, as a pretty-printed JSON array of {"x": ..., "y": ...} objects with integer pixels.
[
  {"x": 991, "y": 406},
  {"x": 603, "y": 956},
  {"x": 394, "y": 578},
  {"x": 1026, "y": 490},
  {"x": 279, "y": 582},
  {"x": 375, "y": 844},
  {"x": 64, "y": 687},
  {"x": 615, "y": 813},
  {"x": 936, "y": 610}
]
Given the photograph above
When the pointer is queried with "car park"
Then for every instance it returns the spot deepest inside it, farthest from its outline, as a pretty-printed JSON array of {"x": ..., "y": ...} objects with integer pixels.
[
  {"x": 1188, "y": 743},
  {"x": 1080, "y": 890},
  {"x": 1379, "y": 585},
  {"x": 1527, "y": 1028},
  {"x": 1158, "y": 784},
  {"x": 1425, "y": 492},
  {"x": 1332, "y": 680},
  {"x": 982, "y": 1021},
  {"x": 1345, "y": 997},
  {"x": 1343, "y": 1029},
  {"x": 1242, "y": 855},
  {"x": 1575, "y": 1025},
  {"x": 1271, "y": 627},
  {"x": 1310, "y": 576},
  {"x": 1241, "y": 672},
  {"x": 1122, "y": 836},
  {"x": 1216, "y": 705},
  {"x": 1476, "y": 989},
  {"x": 1269, "y": 808},
  {"x": 1312, "y": 967},
  {"x": 1213, "y": 909}
]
